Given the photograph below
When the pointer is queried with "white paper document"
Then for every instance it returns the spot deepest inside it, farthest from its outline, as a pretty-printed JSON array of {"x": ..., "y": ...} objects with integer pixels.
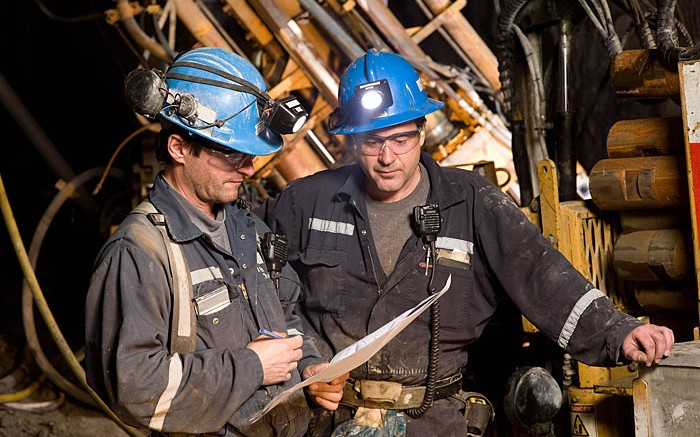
[{"x": 359, "y": 352}]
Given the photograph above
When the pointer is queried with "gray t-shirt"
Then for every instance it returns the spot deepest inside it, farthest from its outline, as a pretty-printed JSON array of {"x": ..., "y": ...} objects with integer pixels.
[{"x": 391, "y": 222}]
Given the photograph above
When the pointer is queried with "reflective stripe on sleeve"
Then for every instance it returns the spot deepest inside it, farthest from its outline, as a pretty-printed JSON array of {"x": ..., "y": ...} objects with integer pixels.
[
  {"x": 570, "y": 325},
  {"x": 166, "y": 398},
  {"x": 321, "y": 225}
]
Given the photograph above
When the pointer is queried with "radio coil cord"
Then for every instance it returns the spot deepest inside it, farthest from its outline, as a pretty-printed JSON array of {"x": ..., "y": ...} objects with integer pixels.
[{"x": 428, "y": 221}]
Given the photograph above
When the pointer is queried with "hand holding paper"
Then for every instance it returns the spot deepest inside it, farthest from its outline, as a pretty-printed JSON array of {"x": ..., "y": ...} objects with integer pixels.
[{"x": 359, "y": 352}]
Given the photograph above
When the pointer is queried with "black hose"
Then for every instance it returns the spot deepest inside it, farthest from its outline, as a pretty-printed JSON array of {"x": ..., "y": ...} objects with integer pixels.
[
  {"x": 505, "y": 48},
  {"x": 664, "y": 31}
]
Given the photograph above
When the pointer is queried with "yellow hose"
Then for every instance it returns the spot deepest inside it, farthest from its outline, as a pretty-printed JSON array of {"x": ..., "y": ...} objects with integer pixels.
[{"x": 45, "y": 311}]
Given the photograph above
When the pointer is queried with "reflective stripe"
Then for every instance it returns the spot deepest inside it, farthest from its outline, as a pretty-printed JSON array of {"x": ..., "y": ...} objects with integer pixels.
[
  {"x": 584, "y": 302},
  {"x": 184, "y": 290},
  {"x": 205, "y": 274},
  {"x": 455, "y": 244},
  {"x": 166, "y": 398},
  {"x": 320, "y": 225}
]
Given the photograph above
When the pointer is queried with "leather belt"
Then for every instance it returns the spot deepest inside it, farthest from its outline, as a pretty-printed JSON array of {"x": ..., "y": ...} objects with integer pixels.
[{"x": 410, "y": 396}]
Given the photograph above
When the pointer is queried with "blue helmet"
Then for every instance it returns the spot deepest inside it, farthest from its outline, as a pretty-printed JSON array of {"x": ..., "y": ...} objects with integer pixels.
[
  {"x": 378, "y": 90},
  {"x": 214, "y": 93}
]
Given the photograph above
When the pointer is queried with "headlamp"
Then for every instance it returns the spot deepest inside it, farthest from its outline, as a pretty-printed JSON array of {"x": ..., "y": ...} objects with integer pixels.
[
  {"x": 374, "y": 97},
  {"x": 284, "y": 116},
  {"x": 146, "y": 91},
  {"x": 368, "y": 101}
]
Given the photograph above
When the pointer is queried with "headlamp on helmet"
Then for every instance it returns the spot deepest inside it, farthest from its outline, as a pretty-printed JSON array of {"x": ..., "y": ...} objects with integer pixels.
[
  {"x": 369, "y": 101},
  {"x": 147, "y": 92},
  {"x": 374, "y": 97}
]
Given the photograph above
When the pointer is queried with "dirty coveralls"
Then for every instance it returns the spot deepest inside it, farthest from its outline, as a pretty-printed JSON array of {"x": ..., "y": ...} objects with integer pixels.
[
  {"x": 488, "y": 246},
  {"x": 128, "y": 314}
]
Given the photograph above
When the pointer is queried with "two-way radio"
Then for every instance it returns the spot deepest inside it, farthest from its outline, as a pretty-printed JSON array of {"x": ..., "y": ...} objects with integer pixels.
[
  {"x": 427, "y": 222},
  {"x": 275, "y": 251}
]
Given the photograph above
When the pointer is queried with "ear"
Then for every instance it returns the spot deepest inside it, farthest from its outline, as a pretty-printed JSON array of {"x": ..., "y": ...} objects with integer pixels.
[
  {"x": 176, "y": 147},
  {"x": 422, "y": 137}
]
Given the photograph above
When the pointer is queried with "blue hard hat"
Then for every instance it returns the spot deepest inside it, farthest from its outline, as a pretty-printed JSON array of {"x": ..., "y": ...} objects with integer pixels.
[
  {"x": 378, "y": 90},
  {"x": 214, "y": 93}
]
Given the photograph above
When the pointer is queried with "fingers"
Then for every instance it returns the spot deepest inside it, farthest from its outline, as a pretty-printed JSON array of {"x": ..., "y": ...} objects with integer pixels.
[
  {"x": 278, "y": 357},
  {"x": 648, "y": 344},
  {"x": 327, "y": 394}
]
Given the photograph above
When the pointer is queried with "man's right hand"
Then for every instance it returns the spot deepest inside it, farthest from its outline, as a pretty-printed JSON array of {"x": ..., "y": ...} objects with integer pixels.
[{"x": 278, "y": 357}]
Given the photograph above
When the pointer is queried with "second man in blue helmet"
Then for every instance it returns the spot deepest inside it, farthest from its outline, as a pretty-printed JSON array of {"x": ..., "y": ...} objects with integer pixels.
[{"x": 373, "y": 239}]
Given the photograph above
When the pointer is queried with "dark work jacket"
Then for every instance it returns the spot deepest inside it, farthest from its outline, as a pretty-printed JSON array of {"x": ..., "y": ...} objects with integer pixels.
[
  {"x": 128, "y": 314},
  {"x": 486, "y": 243}
]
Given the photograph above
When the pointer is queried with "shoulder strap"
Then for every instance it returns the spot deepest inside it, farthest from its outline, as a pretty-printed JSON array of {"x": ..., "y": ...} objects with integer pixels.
[{"x": 183, "y": 326}]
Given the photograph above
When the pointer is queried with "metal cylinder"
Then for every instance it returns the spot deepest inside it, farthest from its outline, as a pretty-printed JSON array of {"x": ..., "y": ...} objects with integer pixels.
[
  {"x": 639, "y": 183},
  {"x": 655, "y": 255},
  {"x": 643, "y": 74},
  {"x": 645, "y": 137}
]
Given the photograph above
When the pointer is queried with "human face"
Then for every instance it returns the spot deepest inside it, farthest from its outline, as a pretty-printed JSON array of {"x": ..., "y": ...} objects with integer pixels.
[
  {"x": 211, "y": 177},
  {"x": 391, "y": 176}
]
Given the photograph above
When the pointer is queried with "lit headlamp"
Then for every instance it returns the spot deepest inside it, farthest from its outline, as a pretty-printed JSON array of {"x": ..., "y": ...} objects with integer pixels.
[
  {"x": 374, "y": 97},
  {"x": 367, "y": 102},
  {"x": 284, "y": 116}
]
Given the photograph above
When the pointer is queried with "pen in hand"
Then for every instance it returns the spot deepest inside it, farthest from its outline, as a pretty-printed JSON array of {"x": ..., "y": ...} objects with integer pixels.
[{"x": 269, "y": 333}]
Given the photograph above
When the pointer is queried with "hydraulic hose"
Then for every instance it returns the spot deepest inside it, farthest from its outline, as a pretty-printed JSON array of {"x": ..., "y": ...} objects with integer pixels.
[
  {"x": 44, "y": 309},
  {"x": 664, "y": 31},
  {"x": 27, "y": 302}
]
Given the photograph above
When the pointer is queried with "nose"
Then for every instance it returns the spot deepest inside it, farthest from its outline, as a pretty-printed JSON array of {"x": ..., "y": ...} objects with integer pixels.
[
  {"x": 246, "y": 167},
  {"x": 386, "y": 154}
]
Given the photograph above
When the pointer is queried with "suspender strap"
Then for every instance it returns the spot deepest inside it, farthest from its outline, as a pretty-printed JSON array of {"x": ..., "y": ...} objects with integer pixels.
[{"x": 183, "y": 326}]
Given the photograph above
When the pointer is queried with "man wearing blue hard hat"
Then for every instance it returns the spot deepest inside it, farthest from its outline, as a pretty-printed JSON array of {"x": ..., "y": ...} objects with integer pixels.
[
  {"x": 374, "y": 239},
  {"x": 181, "y": 292}
]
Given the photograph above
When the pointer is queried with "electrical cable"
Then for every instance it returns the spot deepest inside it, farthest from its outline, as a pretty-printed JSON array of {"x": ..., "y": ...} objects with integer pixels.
[
  {"x": 131, "y": 136},
  {"x": 69, "y": 20},
  {"x": 44, "y": 309}
]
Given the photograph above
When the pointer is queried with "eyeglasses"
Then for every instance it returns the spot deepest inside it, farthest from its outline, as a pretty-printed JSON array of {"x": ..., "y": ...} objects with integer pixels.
[
  {"x": 400, "y": 143},
  {"x": 234, "y": 157}
]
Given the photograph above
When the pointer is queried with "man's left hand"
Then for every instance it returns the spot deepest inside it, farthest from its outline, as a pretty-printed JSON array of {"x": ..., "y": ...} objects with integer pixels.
[
  {"x": 325, "y": 394},
  {"x": 648, "y": 344}
]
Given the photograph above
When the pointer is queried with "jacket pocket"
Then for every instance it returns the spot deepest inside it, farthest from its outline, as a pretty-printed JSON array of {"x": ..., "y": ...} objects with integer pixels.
[
  {"x": 219, "y": 315},
  {"x": 454, "y": 305},
  {"x": 325, "y": 279}
]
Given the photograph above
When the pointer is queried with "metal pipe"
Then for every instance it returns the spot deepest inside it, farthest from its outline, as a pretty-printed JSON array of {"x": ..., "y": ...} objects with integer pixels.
[
  {"x": 469, "y": 41},
  {"x": 42, "y": 143},
  {"x": 126, "y": 15},
  {"x": 336, "y": 32},
  {"x": 291, "y": 37},
  {"x": 564, "y": 122},
  {"x": 201, "y": 27}
]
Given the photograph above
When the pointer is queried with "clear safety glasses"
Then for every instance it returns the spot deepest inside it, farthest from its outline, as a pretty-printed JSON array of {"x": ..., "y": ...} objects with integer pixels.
[
  {"x": 400, "y": 143},
  {"x": 233, "y": 157}
]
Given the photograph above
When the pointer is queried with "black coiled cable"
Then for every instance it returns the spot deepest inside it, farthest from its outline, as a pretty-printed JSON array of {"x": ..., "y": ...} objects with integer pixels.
[{"x": 434, "y": 353}]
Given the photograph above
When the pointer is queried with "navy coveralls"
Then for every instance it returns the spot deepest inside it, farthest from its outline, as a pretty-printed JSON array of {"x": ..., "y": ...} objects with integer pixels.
[{"x": 486, "y": 243}]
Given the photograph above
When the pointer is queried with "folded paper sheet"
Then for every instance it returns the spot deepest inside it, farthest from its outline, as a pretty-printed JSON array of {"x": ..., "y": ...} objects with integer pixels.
[{"x": 360, "y": 351}]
